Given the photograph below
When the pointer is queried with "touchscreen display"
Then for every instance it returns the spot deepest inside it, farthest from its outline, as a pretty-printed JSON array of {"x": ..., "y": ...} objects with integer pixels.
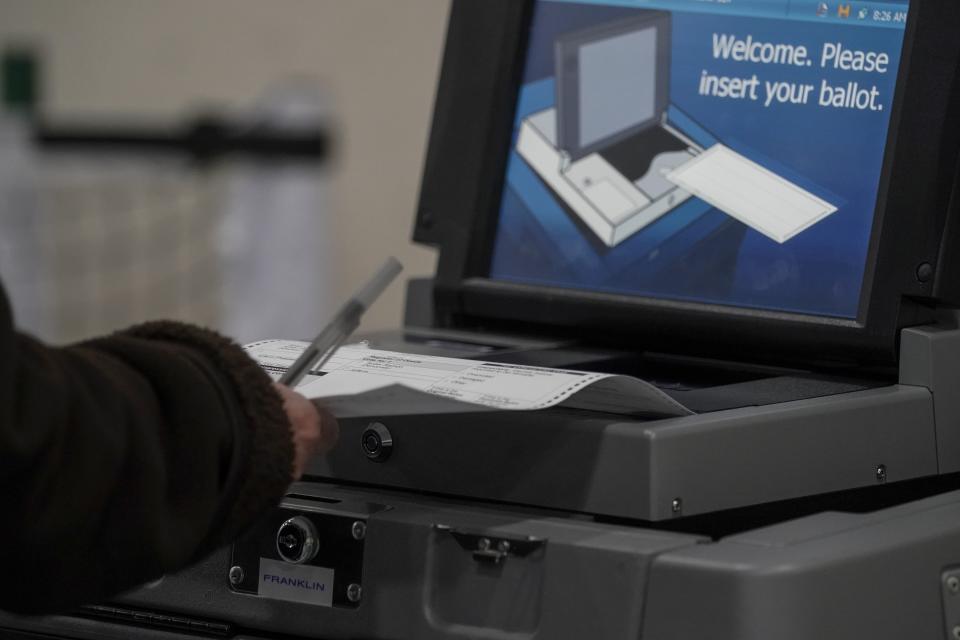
[{"x": 716, "y": 151}]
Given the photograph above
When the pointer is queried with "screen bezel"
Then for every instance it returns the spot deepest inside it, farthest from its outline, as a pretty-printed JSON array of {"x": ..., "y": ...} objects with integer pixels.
[
  {"x": 464, "y": 178},
  {"x": 567, "y": 56}
]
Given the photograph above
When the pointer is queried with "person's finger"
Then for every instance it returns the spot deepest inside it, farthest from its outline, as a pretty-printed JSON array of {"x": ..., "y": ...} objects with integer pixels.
[
  {"x": 313, "y": 429},
  {"x": 304, "y": 428},
  {"x": 329, "y": 429}
]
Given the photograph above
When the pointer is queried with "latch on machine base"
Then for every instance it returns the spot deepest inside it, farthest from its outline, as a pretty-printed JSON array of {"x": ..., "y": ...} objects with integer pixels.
[{"x": 492, "y": 549}]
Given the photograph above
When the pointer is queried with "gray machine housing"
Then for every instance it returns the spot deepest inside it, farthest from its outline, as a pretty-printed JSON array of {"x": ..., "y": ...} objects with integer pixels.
[
  {"x": 791, "y": 505},
  {"x": 890, "y": 574},
  {"x": 627, "y": 540},
  {"x": 825, "y": 437}
]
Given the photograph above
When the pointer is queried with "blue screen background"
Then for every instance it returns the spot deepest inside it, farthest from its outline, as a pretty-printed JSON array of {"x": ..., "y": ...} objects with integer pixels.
[{"x": 696, "y": 252}]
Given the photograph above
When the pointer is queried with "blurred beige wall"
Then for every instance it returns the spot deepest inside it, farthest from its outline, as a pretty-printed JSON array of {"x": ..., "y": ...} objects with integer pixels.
[{"x": 378, "y": 59}]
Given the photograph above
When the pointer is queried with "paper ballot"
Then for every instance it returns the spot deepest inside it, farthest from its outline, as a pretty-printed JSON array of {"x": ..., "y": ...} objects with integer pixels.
[
  {"x": 359, "y": 381},
  {"x": 750, "y": 193}
]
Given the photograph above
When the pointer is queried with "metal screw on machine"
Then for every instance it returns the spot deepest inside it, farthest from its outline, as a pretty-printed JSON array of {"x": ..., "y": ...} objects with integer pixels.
[
  {"x": 881, "y": 473},
  {"x": 358, "y": 530},
  {"x": 950, "y": 600},
  {"x": 677, "y": 505},
  {"x": 953, "y": 584},
  {"x": 354, "y": 592},
  {"x": 236, "y": 575},
  {"x": 376, "y": 442}
]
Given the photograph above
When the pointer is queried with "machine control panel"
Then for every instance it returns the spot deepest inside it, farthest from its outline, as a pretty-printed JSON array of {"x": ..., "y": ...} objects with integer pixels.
[{"x": 308, "y": 550}]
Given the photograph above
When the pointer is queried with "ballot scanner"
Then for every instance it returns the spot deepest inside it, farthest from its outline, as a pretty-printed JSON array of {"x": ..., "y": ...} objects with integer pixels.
[{"x": 799, "y": 295}]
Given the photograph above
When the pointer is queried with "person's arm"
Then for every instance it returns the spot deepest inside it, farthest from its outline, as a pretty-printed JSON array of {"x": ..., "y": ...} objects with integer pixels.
[{"x": 129, "y": 456}]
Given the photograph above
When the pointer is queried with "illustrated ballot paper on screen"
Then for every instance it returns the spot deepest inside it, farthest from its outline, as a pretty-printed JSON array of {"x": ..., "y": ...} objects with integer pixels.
[{"x": 611, "y": 152}]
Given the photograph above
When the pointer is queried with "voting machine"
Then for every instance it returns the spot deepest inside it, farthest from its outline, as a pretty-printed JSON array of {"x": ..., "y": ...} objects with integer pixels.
[{"x": 752, "y": 206}]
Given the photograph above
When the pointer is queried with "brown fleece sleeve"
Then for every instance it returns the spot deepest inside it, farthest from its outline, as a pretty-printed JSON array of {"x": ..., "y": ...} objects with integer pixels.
[
  {"x": 127, "y": 457},
  {"x": 262, "y": 465}
]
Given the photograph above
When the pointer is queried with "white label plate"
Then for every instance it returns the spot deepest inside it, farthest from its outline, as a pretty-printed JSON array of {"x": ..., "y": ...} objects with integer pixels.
[{"x": 295, "y": 583}]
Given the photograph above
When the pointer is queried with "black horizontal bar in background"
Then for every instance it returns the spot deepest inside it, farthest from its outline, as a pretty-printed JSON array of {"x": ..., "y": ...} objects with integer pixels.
[{"x": 203, "y": 140}]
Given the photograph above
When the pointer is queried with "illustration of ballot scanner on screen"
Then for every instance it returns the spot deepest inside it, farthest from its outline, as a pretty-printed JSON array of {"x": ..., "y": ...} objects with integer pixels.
[{"x": 620, "y": 155}]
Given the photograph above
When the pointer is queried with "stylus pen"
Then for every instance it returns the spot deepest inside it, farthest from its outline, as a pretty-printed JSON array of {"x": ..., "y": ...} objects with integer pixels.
[{"x": 343, "y": 324}]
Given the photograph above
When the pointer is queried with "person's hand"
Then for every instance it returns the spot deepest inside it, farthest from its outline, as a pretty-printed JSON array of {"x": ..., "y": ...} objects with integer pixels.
[{"x": 313, "y": 429}]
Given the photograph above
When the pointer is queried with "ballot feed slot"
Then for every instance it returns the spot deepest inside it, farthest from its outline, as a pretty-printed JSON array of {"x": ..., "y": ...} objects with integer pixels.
[
  {"x": 748, "y": 426},
  {"x": 701, "y": 384},
  {"x": 698, "y": 383}
]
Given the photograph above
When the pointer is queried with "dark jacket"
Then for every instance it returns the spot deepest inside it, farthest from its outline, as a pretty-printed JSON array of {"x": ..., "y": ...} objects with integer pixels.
[{"x": 126, "y": 457}]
